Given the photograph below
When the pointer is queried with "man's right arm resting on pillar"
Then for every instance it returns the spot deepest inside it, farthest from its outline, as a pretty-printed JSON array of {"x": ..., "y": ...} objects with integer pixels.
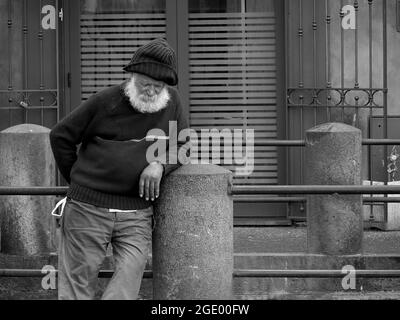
[{"x": 68, "y": 133}]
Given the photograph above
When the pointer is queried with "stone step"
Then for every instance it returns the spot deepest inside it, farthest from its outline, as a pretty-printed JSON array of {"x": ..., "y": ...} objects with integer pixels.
[{"x": 244, "y": 288}]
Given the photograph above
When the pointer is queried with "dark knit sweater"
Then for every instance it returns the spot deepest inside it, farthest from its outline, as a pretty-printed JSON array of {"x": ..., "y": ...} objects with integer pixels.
[{"x": 106, "y": 170}]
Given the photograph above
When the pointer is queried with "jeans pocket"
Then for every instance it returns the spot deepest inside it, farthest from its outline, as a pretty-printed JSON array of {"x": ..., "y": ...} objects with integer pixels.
[{"x": 61, "y": 219}]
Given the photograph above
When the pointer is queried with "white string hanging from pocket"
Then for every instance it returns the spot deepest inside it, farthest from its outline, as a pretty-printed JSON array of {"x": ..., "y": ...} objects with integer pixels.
[{"x": 61, "y": 203}]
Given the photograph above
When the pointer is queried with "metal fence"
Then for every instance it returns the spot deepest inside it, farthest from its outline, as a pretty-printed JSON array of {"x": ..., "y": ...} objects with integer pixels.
[
  {"x": 29, "y": 87},
  {"x": 336, "y": 74},
  {"x": 237, "y": 273}
]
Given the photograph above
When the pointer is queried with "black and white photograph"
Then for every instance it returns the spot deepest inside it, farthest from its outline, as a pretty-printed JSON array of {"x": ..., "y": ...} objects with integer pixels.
[{"x": 201, "y": 157}]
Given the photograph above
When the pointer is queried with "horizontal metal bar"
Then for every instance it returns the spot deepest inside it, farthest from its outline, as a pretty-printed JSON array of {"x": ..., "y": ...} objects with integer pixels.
[
  {"x": 380, "y": 141},
  {"x": 302, "y": 143},
  {"x": 37, "y": 273},
  {"x": 365, "y": 89},
  {"x": 292, "y": 143},
  {"x": 315, "y": 106},
  {"x": 380, "y": 199},
  {"x": 314, "y": 273},
  {"x": 288, "y": 143},
  {"x": 248, "y": 190},
  {"x": 258, "y": 198},
  {"x": 316, "y": 189},
  {"x": 238, "y": 273},
  {"x": 29, "y": 90},
  {"x": 28, "y": 108}
]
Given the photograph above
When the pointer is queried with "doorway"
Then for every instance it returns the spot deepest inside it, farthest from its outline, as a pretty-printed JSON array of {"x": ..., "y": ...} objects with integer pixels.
[{"x": 230, "y": 66}]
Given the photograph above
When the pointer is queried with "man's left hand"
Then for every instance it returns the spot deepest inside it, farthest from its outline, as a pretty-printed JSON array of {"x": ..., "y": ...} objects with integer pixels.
[{"x": 149, "y": 184}]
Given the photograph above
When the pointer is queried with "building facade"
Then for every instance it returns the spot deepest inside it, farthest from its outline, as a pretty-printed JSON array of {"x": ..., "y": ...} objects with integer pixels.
[{"x": 277, "y": 67}]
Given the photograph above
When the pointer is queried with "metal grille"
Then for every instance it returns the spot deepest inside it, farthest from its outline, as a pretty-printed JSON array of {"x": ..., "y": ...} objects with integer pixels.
[
  {"x": 108, "y": 40},
  {"x": 233, "y": 81},
  {"x": 29, "y": 63},
  {"x": 335, "y": 74}
]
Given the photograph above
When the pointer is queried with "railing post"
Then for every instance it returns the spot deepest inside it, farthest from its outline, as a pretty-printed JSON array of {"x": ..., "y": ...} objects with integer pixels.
[
  {"x": 333, "y": 157},
  {"x": 26, "y": 160},
  {"x": 193, "y": 235}
]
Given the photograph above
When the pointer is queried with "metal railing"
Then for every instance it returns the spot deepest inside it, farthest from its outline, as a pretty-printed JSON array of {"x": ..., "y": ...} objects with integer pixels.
[
  {"x": 237, "y": 273},
  {"x": 256, "y": 194},
  {"x": 317, "y": 189},
  {"x": 236, "y": 190},
  {"x": 302, "y": 143},
  {"x": 251, "y": 193},
  {"x": 258, "y": 198}
]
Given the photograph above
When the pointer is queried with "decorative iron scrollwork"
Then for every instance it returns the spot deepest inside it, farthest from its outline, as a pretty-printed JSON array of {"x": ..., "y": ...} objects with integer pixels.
[
  {"x": 29, "y": 99},
  {"x": 335, "y": 97}
]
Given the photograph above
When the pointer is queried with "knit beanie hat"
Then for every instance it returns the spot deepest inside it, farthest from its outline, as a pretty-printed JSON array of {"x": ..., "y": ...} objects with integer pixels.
[{"x": 155, "y": 59}]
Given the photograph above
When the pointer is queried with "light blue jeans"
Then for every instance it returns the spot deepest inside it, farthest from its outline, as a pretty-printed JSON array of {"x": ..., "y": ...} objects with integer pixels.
[{"x": 86, "y": 231}]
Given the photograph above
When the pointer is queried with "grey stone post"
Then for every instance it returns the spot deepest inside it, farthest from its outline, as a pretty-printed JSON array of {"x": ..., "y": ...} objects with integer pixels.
[
  {"x": 26, "y": 160},
  {"x": 333, "y": 157},
  {"x": 193, "y": 235}
]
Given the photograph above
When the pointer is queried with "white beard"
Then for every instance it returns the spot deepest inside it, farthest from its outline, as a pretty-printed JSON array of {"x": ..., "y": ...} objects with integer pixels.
[{"x": 137, "y": 101}]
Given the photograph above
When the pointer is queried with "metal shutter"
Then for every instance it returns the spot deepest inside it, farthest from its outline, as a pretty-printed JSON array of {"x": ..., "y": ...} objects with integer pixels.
[
  {"x": 108, "y": 41},
  {"x": 233, "y": 81}
]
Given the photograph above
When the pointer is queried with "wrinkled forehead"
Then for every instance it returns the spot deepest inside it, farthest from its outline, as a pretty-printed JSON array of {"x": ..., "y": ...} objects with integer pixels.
[{"x": 143, "y": 79}]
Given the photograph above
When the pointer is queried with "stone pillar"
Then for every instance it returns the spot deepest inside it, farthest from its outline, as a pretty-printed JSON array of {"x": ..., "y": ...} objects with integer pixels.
[
  {"x": 193, "y": 235},
  {"x": 26, "y": 160},
  {"x": 333, "y": 157}
]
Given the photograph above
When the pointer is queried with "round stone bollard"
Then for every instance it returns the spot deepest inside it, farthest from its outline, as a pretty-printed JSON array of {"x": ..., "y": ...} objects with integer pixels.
[
  {"x": 193, "y": 235},
  {"x": 26, "y": 160},
  {"x": 333, "y": 157}
]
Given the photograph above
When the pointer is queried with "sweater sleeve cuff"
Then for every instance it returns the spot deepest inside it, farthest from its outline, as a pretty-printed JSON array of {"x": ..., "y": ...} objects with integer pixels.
[{"x": 168, "y": 168}]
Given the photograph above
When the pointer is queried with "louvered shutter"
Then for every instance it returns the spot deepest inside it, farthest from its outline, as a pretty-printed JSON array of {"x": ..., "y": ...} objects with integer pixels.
[
  {"x": 233, "y": 81},
  {"x": 108, "y": 41}
]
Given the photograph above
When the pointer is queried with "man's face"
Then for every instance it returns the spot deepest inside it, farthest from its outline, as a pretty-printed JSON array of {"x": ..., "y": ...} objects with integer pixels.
[
  {"x": 146, "y": 94},
  {"x": 148, "y": 88}
]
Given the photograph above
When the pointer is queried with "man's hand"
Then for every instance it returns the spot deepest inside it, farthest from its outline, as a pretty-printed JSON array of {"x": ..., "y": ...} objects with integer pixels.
[{"x": 149, "y": 184}]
